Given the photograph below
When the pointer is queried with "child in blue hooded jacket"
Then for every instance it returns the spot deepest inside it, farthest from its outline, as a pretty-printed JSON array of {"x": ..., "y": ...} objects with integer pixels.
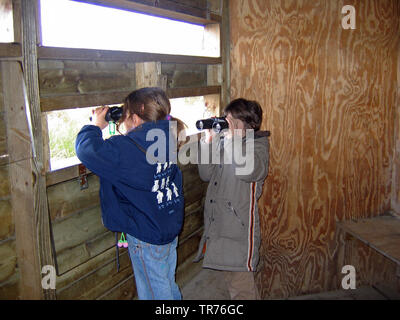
[{"x": 140, "y": 186}]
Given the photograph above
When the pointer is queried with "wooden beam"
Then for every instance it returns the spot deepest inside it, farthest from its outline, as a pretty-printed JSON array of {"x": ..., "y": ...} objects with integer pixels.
[
  {"x": 162, "y": 8},
  {"x": 21, "y": 180},
  {"x": 55, "y": 53},
  {"x": 61, "y": 102},
  {"x": 72, "y": 172},
  {"x": 81, "y": 100},
  {"x": 62, "y": 175},
  {"x": 192, "y": 92},
  {"x": 41, "y": 215},
  {"x": 10, "y": 50}
]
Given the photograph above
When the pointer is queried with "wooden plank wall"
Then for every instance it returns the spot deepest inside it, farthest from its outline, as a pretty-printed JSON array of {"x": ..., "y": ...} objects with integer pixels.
[
  {"x": 329, "y": 97},
  {"x": 9, "y": 272},
  {"x": 83, "y": 249}
]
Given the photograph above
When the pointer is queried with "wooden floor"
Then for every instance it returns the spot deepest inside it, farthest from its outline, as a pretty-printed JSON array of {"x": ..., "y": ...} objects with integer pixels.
[
  {"x": 206, "y": 285},
  {"x": 209, "y": 285},
  {"x": 362, "y": 293}
]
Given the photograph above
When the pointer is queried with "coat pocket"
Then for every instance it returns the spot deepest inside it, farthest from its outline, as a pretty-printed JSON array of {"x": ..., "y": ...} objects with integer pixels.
[
  {"x": 233, "y": 210},
  {"x": 231, "y": 224}
]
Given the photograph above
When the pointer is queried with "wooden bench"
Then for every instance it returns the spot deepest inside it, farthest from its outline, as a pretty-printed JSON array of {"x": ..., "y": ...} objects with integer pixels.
[{"x": 381, "y": 233}]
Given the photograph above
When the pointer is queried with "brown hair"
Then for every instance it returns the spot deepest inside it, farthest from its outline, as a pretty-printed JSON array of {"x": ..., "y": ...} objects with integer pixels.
[
  {"x": 248, "y": 111},
  {"x": 150, "y": 104}
]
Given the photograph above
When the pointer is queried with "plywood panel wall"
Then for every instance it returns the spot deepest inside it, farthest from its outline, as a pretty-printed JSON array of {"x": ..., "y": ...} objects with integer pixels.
[
  {"x": 396, "y": 157},
  {"x": 329, "y": 100}
]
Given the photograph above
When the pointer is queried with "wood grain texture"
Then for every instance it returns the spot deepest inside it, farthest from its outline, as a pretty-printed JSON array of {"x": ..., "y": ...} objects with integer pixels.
[
  {"x": 6, "y": 219},
  {"x": 395, "y": 203},
  {"x": 328, "y": 96},
  {"x": 6, "y": 223},
  {"x": 67, "y": 77},
  {"x": 9, "y": 275},
  {"x": 380, "y": 233},
  {"x": 62, "y": 102},
  {"x": 9, "y": 271},
  {"x": 67, "y": 198},
  {"x": 148, "y": 74},
  {"x": 372, "y": 268},
  {"x": 21, "y": 180},
  {"x": 226, "y": 53},
  {"x": 40, "y": 219},
  {"x": 97, "y": 282},
  {"x": 10, "y": 50},
  {"x": 184, "y": 75},
  {"x": 4, "y": 156},
  {"x": 8, "y": 257},
  {"x": 66, "y": 84}
]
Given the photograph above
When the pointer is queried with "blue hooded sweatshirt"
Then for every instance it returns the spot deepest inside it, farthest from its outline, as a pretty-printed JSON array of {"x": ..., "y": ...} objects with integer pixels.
[{"x": 139, "y": 196}]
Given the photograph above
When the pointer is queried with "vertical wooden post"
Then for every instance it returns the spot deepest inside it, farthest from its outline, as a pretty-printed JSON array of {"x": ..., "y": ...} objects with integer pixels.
[
  {"x": 41, "y": 217},
  {"x": 21, "y": 180},
  {"x": 225, "y": 55},
  {"x": 212, "y": 39},
  {"x": 148, "y": 74},
  {"x": 214, "y": 78}
]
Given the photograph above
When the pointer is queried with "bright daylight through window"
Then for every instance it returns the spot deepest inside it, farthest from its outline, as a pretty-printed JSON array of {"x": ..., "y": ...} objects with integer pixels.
[
  {"x": 6, "y": 21},
  {"x": 73, "y": 24}
]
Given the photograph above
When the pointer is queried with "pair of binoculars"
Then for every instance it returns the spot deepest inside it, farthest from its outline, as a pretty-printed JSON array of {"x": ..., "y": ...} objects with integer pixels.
[
  {"x": 216, "y": 123},
  {"x": 113, "y": 114}
]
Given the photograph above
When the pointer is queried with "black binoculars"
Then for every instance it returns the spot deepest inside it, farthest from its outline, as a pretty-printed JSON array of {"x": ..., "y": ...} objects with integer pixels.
[
  {"x": 216, "y": 123},
  {"x": 114, "y": 114}
]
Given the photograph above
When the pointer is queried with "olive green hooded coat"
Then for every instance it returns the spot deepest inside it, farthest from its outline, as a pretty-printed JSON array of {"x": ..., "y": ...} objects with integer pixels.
[{"x": 231, "y": 237}]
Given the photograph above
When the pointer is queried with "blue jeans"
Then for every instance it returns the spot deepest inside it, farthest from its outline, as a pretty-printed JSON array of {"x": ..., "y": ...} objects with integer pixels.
[{"x": 154, "y": 268}]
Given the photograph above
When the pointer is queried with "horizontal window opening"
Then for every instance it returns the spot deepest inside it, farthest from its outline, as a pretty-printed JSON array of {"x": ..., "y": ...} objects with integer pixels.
[
  {"x": 189, "y": 110},
  {"x": 64, "y": 125},
  {"x": 66, "y": 23},
  {"x": 6, "y": 22}
]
